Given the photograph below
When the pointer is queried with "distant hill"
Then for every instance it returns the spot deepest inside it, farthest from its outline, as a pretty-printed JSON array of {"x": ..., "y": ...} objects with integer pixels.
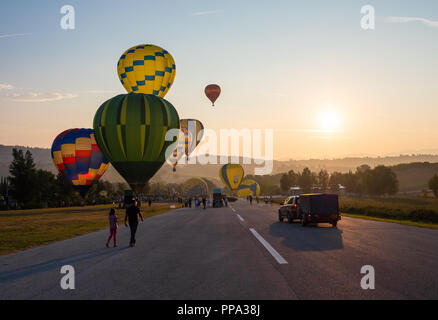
[
  {"x": 413, "y": 171},
  {"x": 414, "y": 177}
]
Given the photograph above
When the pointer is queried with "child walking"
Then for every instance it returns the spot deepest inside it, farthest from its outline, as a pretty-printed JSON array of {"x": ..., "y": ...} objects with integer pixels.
[{"x": 112, "y": 218}]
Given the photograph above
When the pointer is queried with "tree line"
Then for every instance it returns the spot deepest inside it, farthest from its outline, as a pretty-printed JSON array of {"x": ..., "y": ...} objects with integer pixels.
[
  {"x": 28, "y": 187},
  {"x": 378, "y": 181}
]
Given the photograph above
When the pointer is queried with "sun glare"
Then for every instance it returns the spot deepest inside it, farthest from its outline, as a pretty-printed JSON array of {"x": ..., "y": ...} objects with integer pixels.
[{"x": 329, "y": 120}]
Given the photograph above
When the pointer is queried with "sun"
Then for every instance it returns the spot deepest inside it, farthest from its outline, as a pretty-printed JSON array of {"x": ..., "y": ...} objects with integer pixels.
[{"x": 329, "y": 120}]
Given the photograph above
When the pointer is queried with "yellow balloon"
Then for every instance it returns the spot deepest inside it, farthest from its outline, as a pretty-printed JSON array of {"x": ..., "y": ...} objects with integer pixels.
[
  {"x": 231, "y": 175},
  {"x": 248, "y": 187},
  {"x": 147, "y": 69}
]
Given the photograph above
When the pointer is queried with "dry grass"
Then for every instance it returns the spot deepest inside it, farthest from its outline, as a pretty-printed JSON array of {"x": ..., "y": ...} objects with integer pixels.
[{"x": 24, "y": 229}]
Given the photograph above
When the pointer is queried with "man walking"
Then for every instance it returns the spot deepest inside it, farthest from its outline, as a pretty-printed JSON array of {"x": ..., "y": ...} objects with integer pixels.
[{"x": 132, "y": 213}]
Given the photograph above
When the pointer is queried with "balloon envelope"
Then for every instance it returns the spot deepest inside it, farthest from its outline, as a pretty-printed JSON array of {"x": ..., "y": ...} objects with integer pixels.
[
  {"x": 194, "y": 128},
  {"x": 130, "y": 130},
  {"x": 248, "y": 187},
  {"x": 231, "y": 175},
  {"x": 195, "y": 187},
  {"x": 180, "y": 148},
  {"x": 78, "y": 158},
  {"x": 212, "y": 91},
  {"x": 190, "y": 135},
  {"x": 147, "y": 69}
]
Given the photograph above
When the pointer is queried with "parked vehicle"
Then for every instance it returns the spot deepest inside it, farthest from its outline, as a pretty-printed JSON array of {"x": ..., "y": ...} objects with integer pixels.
[
  {"x": 217, "y": 198},
  {"x": 311, "y": 208},
  {"x": 289, "y": 209}
]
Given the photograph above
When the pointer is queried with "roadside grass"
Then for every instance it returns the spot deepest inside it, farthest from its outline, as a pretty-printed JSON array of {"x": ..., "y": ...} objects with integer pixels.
[
  {"x": 422, "y": 211},
  {"x": 402, "y": 222},
  {"x": 25, "y": 229},
  {"x": 412, "y": 211}
]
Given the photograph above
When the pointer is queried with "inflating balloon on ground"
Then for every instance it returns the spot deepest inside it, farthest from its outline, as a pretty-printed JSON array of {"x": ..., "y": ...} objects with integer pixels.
[{"x": 248, "y": 187}]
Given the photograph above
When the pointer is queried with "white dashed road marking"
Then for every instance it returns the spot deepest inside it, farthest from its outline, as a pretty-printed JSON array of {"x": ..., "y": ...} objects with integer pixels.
[{"x": 268, "y": 247}]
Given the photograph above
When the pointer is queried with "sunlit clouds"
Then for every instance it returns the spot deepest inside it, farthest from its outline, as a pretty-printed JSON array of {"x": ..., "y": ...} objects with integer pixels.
[{"x": 427, "y": 22}]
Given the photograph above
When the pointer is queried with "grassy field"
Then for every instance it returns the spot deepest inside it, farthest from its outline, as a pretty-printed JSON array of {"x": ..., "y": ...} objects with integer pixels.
[
  {"x": 421, "y": 212},
  {"x": 24, "y": 229}
]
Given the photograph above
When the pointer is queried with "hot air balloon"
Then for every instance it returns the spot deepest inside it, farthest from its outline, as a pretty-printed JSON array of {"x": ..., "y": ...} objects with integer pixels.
[
  {"x": 130, "y": 130},
  {"x": 212, "y": 91},
  {"x": 147, "y": 69},
  {"x": 248, "y": 187},
  {"x": 195, "y": 187},
  {"x": 231, "y": 175},
  {"x": 191, "y": 133},
  {"x": 179, "y": 150},
  {"x": 78, "y": 158}
]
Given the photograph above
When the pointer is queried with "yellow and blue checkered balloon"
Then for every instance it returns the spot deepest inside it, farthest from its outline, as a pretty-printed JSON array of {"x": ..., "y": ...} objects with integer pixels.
[{"x": 147, "y": 69}]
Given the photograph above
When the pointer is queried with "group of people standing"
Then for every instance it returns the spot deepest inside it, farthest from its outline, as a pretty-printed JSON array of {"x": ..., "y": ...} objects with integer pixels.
[
  {"x": 198, "y": 202},
  {"x": 266, "y": 199}
]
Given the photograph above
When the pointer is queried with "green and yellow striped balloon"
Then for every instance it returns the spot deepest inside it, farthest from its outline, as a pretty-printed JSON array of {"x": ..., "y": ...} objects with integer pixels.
[{"x": 130, "y": 130}]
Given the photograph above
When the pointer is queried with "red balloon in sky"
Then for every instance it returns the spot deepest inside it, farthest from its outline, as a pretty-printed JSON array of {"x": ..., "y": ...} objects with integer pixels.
[{"x": 212, "y": 91}]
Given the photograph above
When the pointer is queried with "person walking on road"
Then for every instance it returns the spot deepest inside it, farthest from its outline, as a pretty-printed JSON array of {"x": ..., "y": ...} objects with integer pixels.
[
  {"x": 204, "y": 202},
  {"x": 250, "y": 199},
  {"x": 112, "y": 218},
  {"x": 149, "y": 201},
  {"x": 132, "y": 213}
]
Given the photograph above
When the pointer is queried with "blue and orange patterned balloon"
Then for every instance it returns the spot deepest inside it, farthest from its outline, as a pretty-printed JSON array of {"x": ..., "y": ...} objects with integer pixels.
[
  {"x": 78, "y": 158},
  {"x": 190, "y": 136}
]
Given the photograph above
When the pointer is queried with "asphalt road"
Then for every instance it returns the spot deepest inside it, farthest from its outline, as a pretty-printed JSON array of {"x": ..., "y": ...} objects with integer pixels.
[{"x": 239, "y": 252}]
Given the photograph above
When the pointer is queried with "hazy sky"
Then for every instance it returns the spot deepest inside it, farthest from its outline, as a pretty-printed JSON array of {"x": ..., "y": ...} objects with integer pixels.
[{"x": 304, "y": 68}]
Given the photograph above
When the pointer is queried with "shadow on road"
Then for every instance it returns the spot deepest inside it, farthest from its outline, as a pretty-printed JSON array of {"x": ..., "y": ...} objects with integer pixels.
[
  {"x": 310, "y": 238},
  {"x": 10, "y": 275}
]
